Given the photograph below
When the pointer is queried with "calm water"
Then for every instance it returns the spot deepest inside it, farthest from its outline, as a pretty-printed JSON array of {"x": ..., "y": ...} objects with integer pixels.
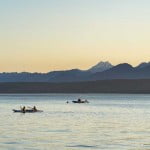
[{"x": 109, "y": 121}]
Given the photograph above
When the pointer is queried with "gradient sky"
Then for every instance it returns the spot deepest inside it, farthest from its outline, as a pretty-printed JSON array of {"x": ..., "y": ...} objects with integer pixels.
[{"x": 45, "y": 35}]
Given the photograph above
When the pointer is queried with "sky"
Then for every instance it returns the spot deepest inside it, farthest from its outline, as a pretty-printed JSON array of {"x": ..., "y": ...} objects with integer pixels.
[{"x": 46, "y": 35}]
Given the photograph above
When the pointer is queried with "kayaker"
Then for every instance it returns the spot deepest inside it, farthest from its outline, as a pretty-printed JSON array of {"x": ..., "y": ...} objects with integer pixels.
[
  {"x": 24, "y": 109},
  {"x": 79, "y": 100},
  {"x": 34, "y": 108}
]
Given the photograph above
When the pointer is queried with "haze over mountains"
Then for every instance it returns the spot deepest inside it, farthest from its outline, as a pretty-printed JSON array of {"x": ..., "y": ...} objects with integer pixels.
[{"x": 101, "y": 71}]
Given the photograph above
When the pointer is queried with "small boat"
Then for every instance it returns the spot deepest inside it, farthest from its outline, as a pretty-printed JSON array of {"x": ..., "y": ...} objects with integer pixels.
[
  {"x": 26, "y": 111},
  {"x": 80, "y": 101}
]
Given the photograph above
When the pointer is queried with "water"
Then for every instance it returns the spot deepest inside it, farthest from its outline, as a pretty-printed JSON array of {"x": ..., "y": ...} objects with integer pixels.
[{"x": 109, "y": 121}]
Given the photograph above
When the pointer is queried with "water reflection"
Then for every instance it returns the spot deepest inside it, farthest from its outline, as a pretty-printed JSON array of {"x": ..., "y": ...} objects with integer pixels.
[{"x": 108, "y": 122}]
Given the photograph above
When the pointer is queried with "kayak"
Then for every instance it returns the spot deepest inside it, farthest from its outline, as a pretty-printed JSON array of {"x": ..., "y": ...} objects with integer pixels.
[
  {"x": 80, "y": 101},
  {"x": 26, "y": 111}
]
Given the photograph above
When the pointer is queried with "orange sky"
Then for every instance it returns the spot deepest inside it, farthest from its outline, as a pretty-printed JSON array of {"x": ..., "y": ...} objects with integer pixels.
[{"x": 41, "y": 36}]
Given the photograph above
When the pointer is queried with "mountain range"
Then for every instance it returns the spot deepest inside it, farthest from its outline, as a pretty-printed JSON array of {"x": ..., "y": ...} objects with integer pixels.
[{"x": 101, "y": 71}]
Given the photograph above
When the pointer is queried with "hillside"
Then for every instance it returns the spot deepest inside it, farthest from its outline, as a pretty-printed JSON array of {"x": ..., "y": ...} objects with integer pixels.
[
  {"x": 105, "y": 86},
  {"x": 120, "y": 71}
]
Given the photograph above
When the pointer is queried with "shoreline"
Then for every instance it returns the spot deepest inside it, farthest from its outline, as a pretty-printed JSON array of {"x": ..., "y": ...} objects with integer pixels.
[{"x": 119, "y": 86}]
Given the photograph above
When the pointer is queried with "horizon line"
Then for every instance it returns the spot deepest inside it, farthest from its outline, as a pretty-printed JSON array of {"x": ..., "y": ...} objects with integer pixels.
[{"x": 134, "y": 66}]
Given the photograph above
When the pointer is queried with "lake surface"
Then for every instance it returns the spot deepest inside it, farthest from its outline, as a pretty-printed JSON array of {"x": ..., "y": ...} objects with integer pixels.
[{"x": 109, "y": 121}]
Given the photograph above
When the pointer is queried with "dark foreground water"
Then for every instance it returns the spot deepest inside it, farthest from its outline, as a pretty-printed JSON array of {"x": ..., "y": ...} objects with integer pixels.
[{"x": 109, "y": 121}]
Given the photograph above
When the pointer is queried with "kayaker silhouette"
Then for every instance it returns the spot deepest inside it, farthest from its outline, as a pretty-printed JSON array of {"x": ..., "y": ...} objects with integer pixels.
[
  {"x": 79, "y": 100},
  {"x": 34, "y": 108},
  {"x": 24, "y": 109}
]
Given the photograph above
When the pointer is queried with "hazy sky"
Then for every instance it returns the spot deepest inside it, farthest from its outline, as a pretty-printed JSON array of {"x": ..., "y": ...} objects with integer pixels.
[{"x": 44, "y": 35}]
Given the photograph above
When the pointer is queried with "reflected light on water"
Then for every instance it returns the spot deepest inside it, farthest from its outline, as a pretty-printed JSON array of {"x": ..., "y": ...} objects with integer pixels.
[{"x": 109, "y": 121}]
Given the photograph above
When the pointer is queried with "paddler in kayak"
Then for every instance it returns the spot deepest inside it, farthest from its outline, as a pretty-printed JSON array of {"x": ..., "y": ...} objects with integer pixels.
[
  {"x": 79, "y": 100},
  {"x": 34, "y": 108},
  {"x": 24, "y": 109}
]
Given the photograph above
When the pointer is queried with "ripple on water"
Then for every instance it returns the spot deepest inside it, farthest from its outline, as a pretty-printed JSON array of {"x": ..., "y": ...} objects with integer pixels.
[
  {"x": 11, "y": 143},
  {"x": 59, "y": 131},
  {"x": 108, "y": 122},
  {"x": 83, "y": 146}
]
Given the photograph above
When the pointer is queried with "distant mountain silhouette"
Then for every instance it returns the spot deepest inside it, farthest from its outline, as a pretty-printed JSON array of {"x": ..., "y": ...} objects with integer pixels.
[
  {"x": 142, "y": 73},
  {"x": 68, "y": 76},
  {"x": 142, "y": 65},
  {"x": 55, "y": 76},
  {"x": 100, "y": 67},
  {"x": 121, "y": 71}
]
